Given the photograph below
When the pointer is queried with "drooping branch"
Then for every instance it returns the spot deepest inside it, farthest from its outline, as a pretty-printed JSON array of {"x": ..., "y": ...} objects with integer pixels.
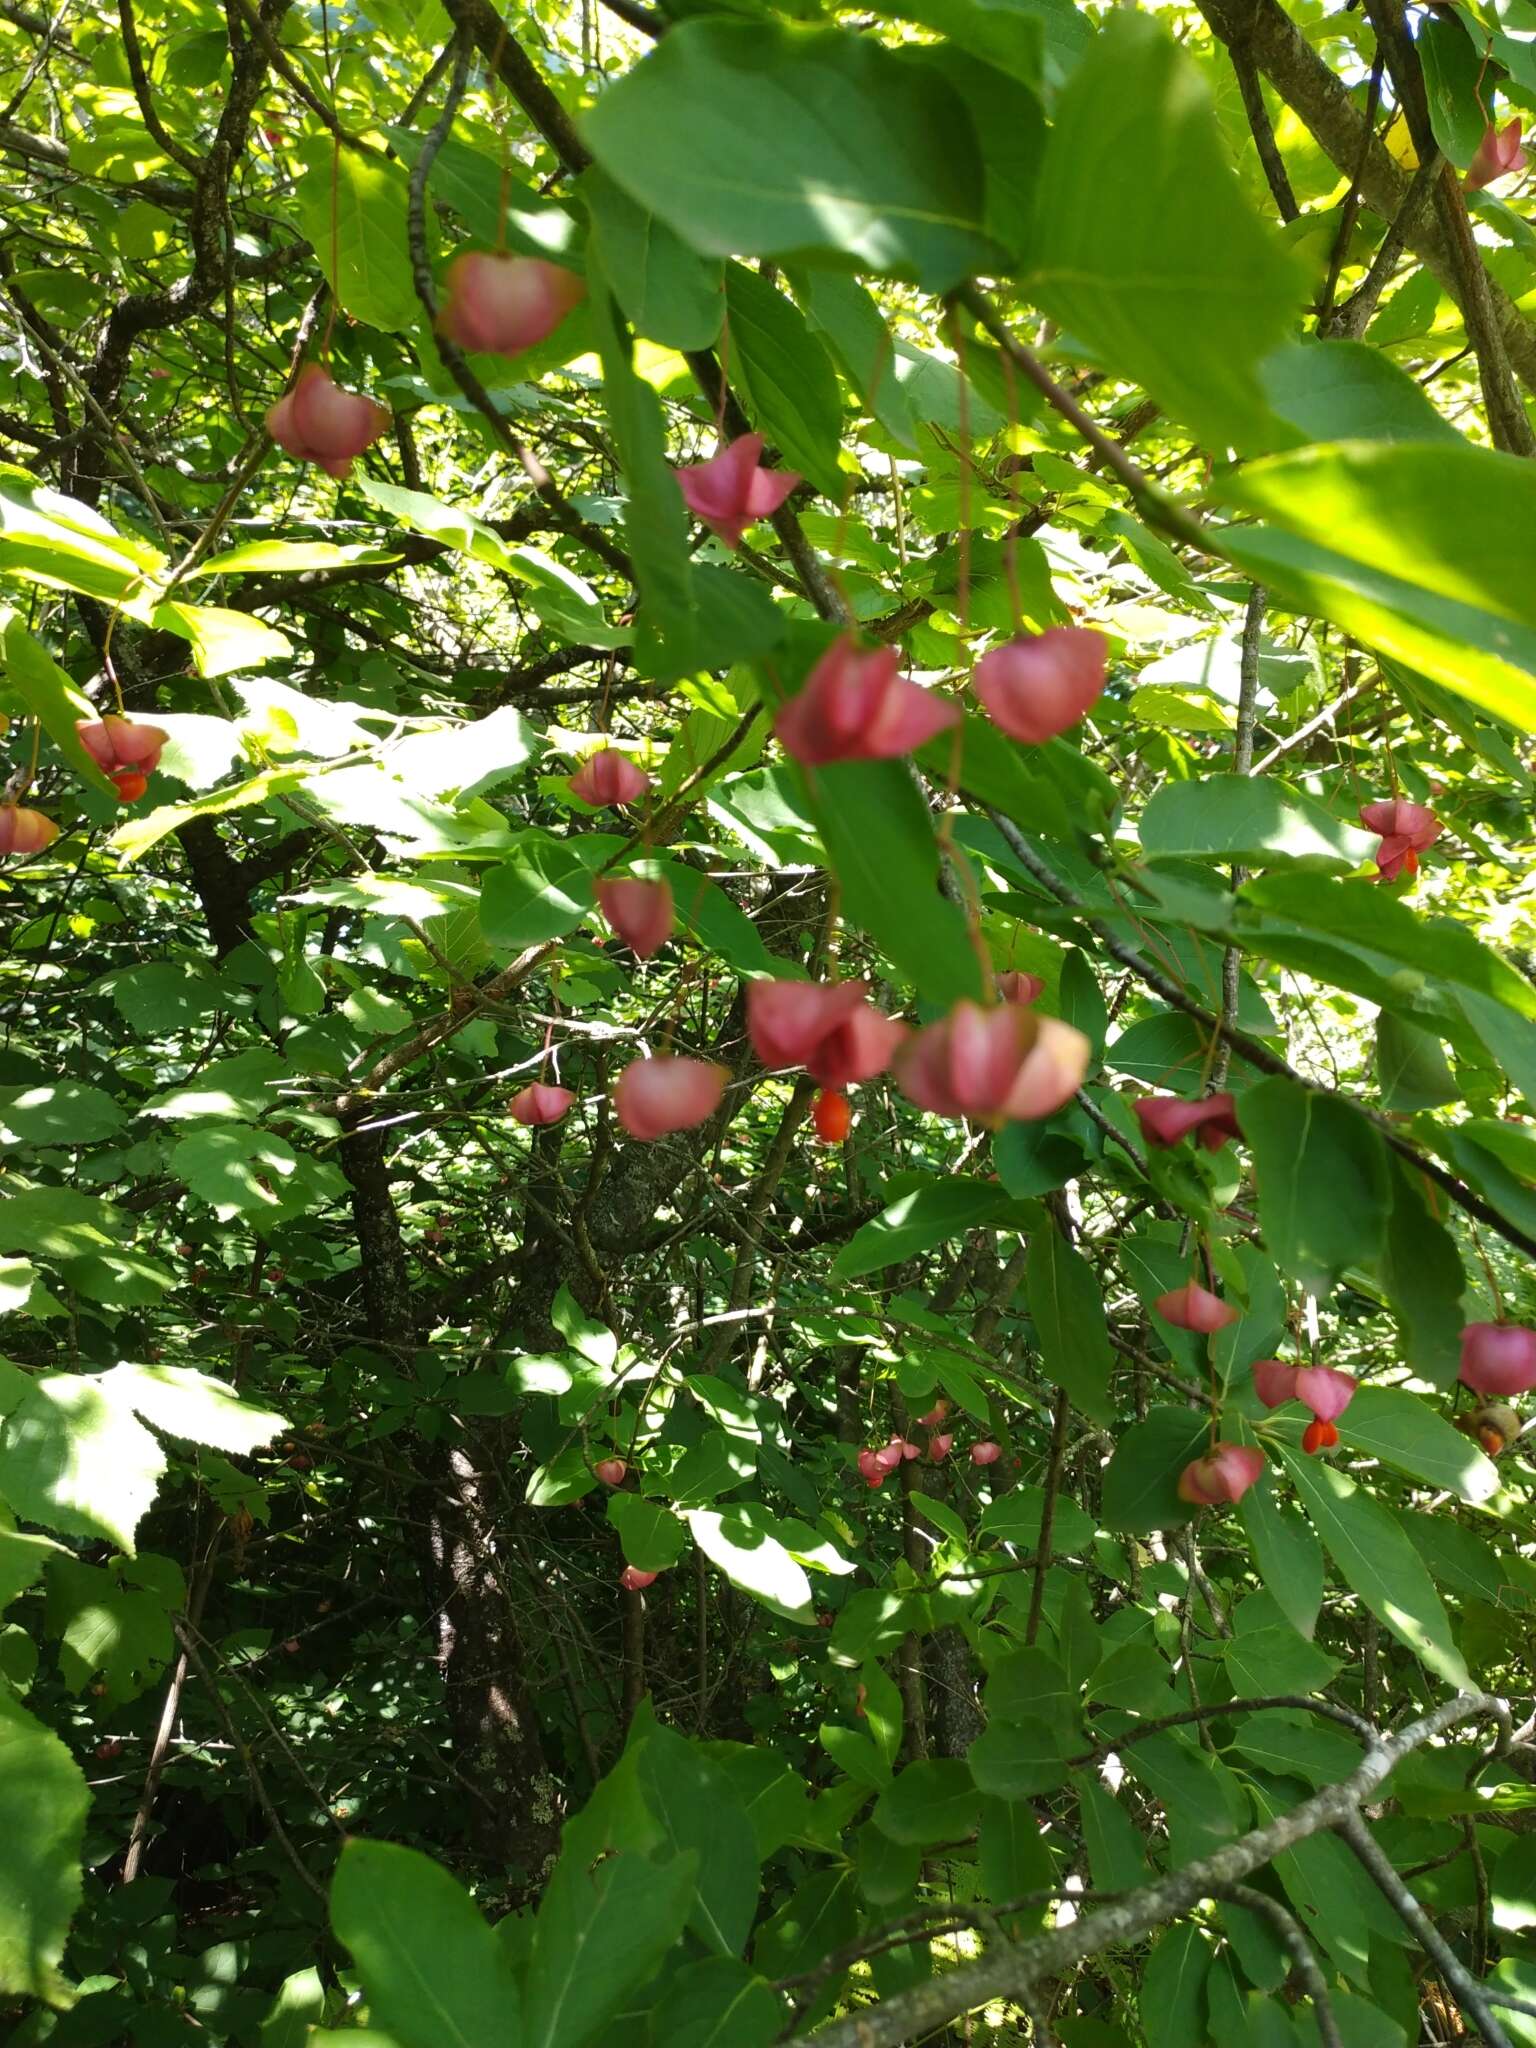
[{"x": 1011, "y": 1969}]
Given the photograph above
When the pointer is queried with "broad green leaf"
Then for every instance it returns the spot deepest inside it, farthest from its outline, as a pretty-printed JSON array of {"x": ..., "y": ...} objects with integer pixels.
[
  {"x": 494, "y": 202},
  {"x": 928, "y": 1802},
  {"x": 223, "y": 641},
  {"x": 1433, "y": 949},
  {"x": 1251, "y": 819},
  {"x": 1412, "y": 1071},
  {"x": 880, "y": 844},
  {"x": 785, "y": 377},
  {"x": 600, "y": 1933},
  {"x": 53, "y": 700},
  {"x": 244, "y": 1086},
  {"x": 717, "y": 2003},
  {"x": 1453, "y": 78},
  {"x": 1262, "y": 1661},
  {"x": 924, "y": 1216},
  {"x": 1171, "y": 1992},
  {"x": 1014, "y": 1858},
  {"x": 22, "y": 1558},
  {"x": 1067, "y": 1310},
  {"x": 741, "y": 1542},
  {"x": 1016, "y": 1760},
  {"x": 1141, "y": 1479},
  {"x": 1346, "y": 390},
  {"x": 759, "y": 139},
  {"x": 1323, "y": 1180},
  {"x": 651, "y": 1535},
  {"x": 1401, "y": 1429},
  {"x": 74, "y": 1457},
  {"x": 1116, "y": 1852},
  {"x": 1482, "y": 656},
  {"x": 1377, "y": 1562},
  {"x": 43, "y": 1804},
  {"x": 655, "y": 516},
  {"x": 138, "y": 835},
  {"x": 544, "y": 890},
  {"x": 190, "y": 1405},
  {"x": 57, "y": 1113},
  {"x": 1014, "y": 1517},
  {"x": 63, "y": 544},
  {"x": 239, "y": 1171},
  {"x": 1286, "y": 1552},
  {"x": 1449, "y": 519},
  {"x": 432, "y": 1968},
  {"x": 1169, "y": 275},
  {"x": 700, "y": 1816},
  {"x": 253, "y": 557},
  {"x": 853, "y": 327},
  {"x": 668, "y": 293},
  {"x": 351, "y": 204}
]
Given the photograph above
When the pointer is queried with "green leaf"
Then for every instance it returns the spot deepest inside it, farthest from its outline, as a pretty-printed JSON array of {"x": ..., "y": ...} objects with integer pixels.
[
  {"x": 1273, "y": 1660},
  {"x": 667, "y": 292},
  {"x": 494, "y": 202},
  {"x": 188, "y": 1404},
  {"x": 717, "y": 2003},
  {"x": 1014, "y": 1517},
  {"x": 1480, "y": 656},
  {"x": 1377, "y": 1562},
  {"x": 1016, "y": 1760},
  {"x": 928, "y": 1802},
  {"x": 854, "y": 328},
  {"x": 77, "y": 1460},
  {"x": 1346, "y": 390},
  {"x": 352, "y": 206},
  {"x": 924, "y": 1216},
  {"x": 880, "y": 844},
  {"x": 1068, "y": 1314},
  {"x": 655, "y": 516},
  {"x": 544, "y": 890},
  {"x": 1141, "y": 1479},
  {"x": 1401, "y": 1429},
  {"x": 223, "y": 641},
  {"x": 43, "y": 1803},
  {"x": 244, "y": 1086},
  {"x": 1323, "y": 1180},
  {"x": 1286, "y": 1552},
  {"x": 1453, "y": 77},
  {"x": 239, "y": 1171},
  {"x": 1169, "y": 274},
  {"x": 57, "y": 541},
  {"x": 1251, "y": 819},
  {"x": 756, "y": 139},
  {"x": 650, "y": 1535},
  {"x": 600, "y": 1934},
  {"x": 1171, "y": 1994},
  {"x": 1449, "y": 519},
  {"x": 53, "y": 701},
  {"x": 57, "y": 1113},
  {"x": 700, "y": 1815},
  {"x": 1412, "y": 1071},
  {"x": 785, "y": 378},
  {"x": 741, "y": 1542},
  {"x": 432, "y": 1969}
]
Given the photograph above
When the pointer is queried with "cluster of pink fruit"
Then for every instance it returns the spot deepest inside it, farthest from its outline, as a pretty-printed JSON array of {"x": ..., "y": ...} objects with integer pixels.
[
  {"x": 1496, "y": 1359},
  {"x": 496, "y": 304},
  {"x": 993, "y": 1064},
  {"x": 126, "y": 752},
  {"x": 877, "y": 1465}
]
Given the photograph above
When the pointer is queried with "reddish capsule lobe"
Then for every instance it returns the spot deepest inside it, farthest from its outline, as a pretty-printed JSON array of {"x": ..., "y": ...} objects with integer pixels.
[
  {"x": 130, "y": 785},
  {"x": 611, "y": 1471},
  {"x": 1319, "y": 1436},
  {"x": 832, "y": 1115}
]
